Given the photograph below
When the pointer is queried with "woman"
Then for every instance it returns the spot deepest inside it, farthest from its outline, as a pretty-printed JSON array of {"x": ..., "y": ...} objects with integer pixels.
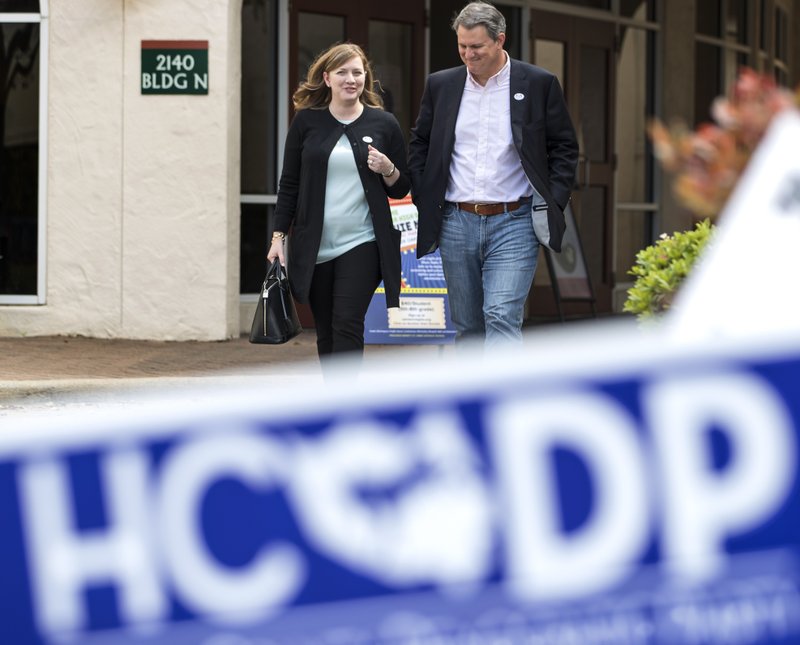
[{"x": 343, "y": 156}]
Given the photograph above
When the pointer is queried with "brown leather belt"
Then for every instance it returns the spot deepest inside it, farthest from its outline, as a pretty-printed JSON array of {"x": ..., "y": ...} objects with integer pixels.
[{"x": 489, "y": 209}]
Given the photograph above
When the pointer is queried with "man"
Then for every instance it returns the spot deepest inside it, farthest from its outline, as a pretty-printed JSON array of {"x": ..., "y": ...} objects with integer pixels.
[{"x": 492, "y": 161}]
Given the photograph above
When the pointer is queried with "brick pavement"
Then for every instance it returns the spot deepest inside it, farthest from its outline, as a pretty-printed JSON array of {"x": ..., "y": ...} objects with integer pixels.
[
  {"x": 57, "y": 373},
  {"x": 60, "y": 372},
  {"x": 52, "y": 358},
  {"x": 69, "y": 357}
]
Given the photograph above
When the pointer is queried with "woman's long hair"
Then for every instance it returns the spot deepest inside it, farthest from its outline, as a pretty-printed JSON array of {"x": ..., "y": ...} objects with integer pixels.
[{"x": 313, "y": 93}]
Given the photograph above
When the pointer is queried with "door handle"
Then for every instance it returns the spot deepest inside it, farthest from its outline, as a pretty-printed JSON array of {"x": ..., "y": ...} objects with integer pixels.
[{"x": 587, "y": 172}]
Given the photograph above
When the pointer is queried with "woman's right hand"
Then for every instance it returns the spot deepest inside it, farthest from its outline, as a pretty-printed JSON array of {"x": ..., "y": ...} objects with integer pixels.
[{"x": 276, "y": 251}]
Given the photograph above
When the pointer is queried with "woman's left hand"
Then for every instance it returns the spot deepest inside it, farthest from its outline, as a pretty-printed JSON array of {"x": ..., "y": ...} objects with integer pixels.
[{"x": 378, "y": 162}]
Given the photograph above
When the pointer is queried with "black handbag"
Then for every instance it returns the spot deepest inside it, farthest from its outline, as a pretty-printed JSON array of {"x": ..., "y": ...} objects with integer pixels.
[{"x": 275, "y": 321}]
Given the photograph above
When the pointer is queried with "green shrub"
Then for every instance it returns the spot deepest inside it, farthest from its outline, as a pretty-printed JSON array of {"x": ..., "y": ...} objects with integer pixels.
[{"x": 661, "y": 267}]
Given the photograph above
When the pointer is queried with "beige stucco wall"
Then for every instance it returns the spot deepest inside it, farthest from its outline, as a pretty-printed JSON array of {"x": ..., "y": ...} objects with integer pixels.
[{"x": 142, "y": 191}]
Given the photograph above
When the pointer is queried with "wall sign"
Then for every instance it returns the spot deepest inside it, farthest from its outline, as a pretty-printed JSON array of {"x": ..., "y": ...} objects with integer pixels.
[{"x": 174, "y": 67}]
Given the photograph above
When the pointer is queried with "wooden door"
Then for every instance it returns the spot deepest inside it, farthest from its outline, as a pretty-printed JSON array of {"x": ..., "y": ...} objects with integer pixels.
[{"x": 581, "y": 53}]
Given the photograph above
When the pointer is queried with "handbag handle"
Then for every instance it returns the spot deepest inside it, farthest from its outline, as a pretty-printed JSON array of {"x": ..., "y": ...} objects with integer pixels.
[{"x": 276, "y": 269}]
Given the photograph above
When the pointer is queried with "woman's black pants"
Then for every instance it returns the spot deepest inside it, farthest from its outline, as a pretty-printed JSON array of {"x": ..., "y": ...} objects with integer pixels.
[{"x": 341, "y": 290}]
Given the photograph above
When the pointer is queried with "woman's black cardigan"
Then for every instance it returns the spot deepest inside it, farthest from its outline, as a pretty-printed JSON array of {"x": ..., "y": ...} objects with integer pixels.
[{"x": 301, "y": 193}]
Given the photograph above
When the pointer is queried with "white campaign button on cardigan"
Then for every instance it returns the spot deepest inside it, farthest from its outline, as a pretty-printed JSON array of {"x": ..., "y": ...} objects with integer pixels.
[
  {"x": 366, "y": 139},
  {"x": 519, "y": 96}
]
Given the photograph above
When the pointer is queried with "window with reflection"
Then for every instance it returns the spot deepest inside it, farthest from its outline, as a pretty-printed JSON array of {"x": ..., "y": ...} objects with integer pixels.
[
  {"x": 19, "y": 154},
  {"x": 633, "y": 224},
  {"x": 253, "y": 251},
  {"x": 634, "y": 106},
  {"x": 781, "y": 48},
  {"x": 736, "y": 21},
  {"x": 19, "y": 6},
  {"x": 513, "y": 16},
  {"x": 389, "y": 50},
  {"x": 316, "y": 32},
  {"x": 707, "y": 80},
  {"x": 639, "y": 9},
  {"x": 594, "y": 82},
  {"x": 590, "y": 4},
  {"x": 259, "y": 134},
  {"x": 707, "y": 18},
  {"x": 774, "y": 40},
  {"x": 781, "y": 35},
  {"x": 259, "y": 97},
  {"x": 718, "y": 61},
  {"x": 551, "y": 55}
]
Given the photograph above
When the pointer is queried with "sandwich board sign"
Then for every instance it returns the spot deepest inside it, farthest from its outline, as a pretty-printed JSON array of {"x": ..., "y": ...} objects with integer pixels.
[{"x": 424, "y": 313}]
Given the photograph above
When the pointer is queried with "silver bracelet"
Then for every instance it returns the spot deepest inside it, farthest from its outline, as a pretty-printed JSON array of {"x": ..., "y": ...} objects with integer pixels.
[{"x": 391, "y": 172}]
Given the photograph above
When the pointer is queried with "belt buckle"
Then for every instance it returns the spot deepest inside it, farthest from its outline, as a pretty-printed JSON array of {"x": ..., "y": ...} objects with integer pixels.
[{"x": 476, "y": 207}]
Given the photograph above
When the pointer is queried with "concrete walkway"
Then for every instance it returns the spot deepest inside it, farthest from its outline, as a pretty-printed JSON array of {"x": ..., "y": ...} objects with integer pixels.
[
  {"x": 54, "y": 372},
  {"x": 59, "y": 358}
]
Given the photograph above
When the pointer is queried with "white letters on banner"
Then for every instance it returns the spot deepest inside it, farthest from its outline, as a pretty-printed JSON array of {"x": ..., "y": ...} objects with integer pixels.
[{"x": 442, "y": 531}]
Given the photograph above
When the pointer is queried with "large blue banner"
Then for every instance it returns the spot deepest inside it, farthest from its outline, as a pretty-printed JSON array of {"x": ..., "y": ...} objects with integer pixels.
[{"x": 590, "y": 490}]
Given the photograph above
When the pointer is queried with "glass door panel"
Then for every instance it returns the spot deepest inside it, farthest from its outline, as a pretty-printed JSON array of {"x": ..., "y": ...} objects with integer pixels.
[
  {"x": 551, "y": 54},
  {"x": 593, "y": 129},
  {"x": 253, "y": 245},
  {"x": 315, "y": 32},
  {"x": 594, "y": 205},
  {"x": 259, "y": 98},
  {"x": 595, "y": 171},
  {"x": 390, "y": 49},
  {"x": 19, "y": 159},
  {"x": 590, "y": 4},
  {"x": 635, "y": 209},
  {"x": 634, "y": 107},
  {"x": 581, "y": 54},
  {"x": 19, "y": 6},
  {"x": 258, "y": 138}
]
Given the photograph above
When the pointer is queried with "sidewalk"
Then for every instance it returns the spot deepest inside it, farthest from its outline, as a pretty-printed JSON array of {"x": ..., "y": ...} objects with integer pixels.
[
  {"x": 53, "y": 371},
  {"x": 61, "y": 358}
]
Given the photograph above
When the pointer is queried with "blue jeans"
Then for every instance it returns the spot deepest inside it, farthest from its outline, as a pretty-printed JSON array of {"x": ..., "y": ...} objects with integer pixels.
[{"x": 489, "y": 263}]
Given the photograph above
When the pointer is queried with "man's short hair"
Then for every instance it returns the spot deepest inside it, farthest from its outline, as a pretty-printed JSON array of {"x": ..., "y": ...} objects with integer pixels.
[{"x": 481, "y": 14}]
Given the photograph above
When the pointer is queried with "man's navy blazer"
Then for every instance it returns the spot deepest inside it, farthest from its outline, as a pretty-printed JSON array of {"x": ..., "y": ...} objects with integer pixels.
[{"x": 543, "y": 135}]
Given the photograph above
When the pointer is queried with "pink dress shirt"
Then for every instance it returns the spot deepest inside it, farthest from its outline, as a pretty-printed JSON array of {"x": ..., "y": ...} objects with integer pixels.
[{"x": 485, "y": 165}]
